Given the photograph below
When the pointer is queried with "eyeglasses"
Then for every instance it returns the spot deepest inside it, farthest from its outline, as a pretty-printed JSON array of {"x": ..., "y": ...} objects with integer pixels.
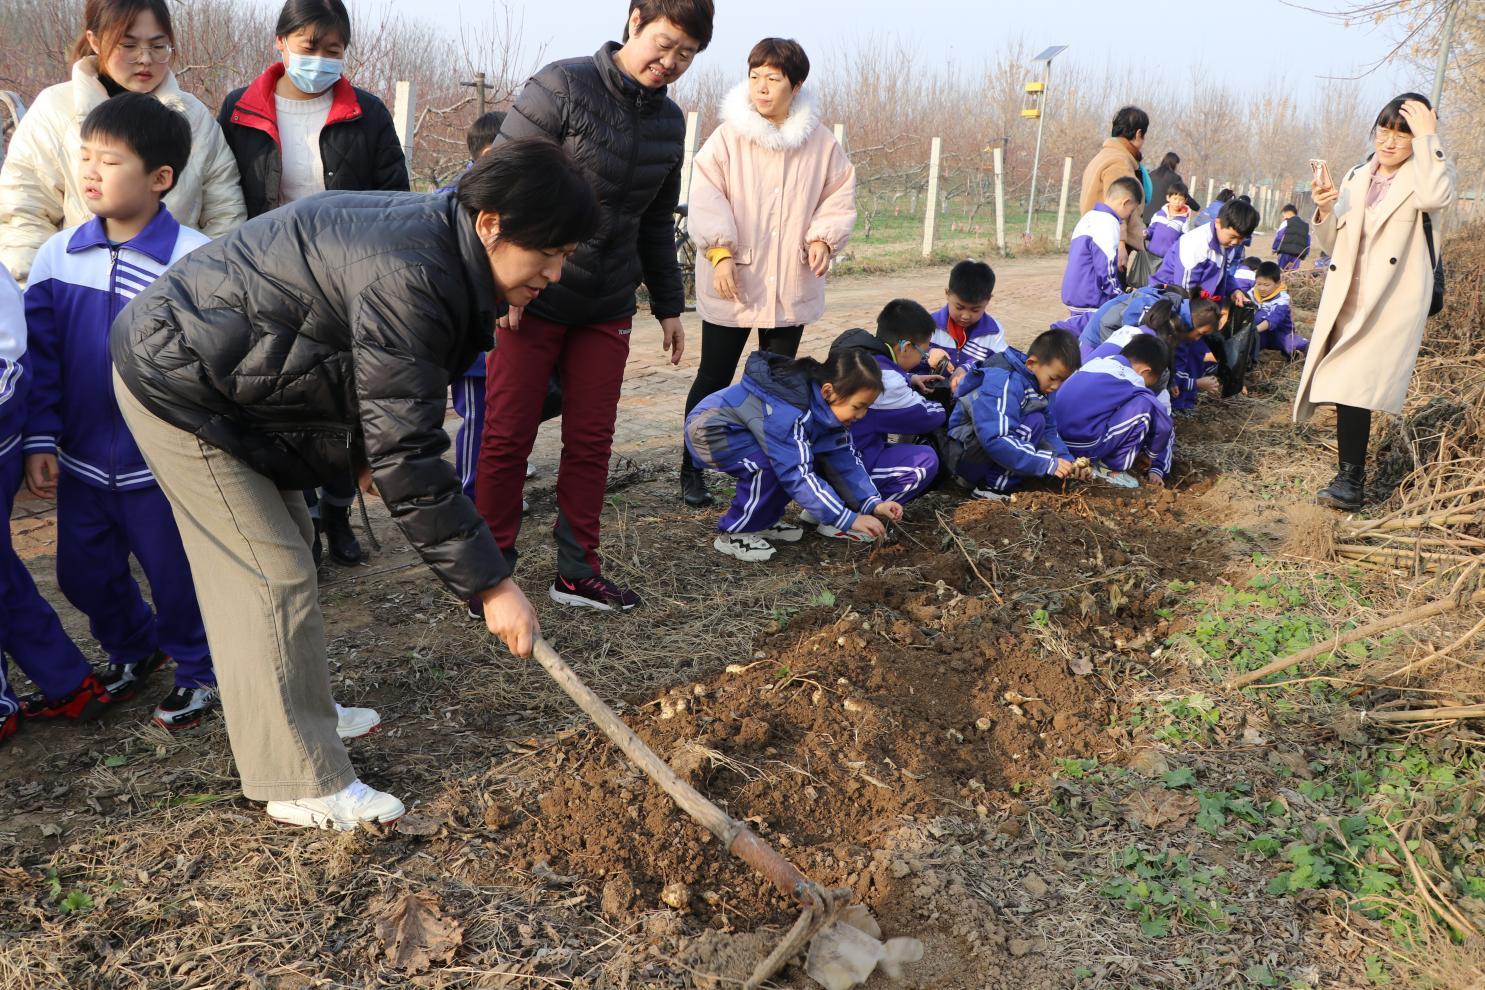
[
  {"x": 1384, "y": 137},
  {"x": 146, "y": 53}
]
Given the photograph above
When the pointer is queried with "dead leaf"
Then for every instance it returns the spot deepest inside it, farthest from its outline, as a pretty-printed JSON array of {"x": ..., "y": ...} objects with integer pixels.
[
  {"x": 1149, "y": 762},
  {"x": 418, "y": 825},
  {"x": 415, "y": 931},
  {"x": 1158, "y": 807},
  {"x": 1080, "y": 666},
  {"x": 1294, "y": 762}
]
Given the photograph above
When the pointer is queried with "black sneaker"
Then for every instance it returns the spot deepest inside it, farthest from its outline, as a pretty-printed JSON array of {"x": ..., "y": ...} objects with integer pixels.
[
  {"x": 186, "y": 707},
  {"x": 593, "y": 592},
  {"x": 123, "y": 679}
]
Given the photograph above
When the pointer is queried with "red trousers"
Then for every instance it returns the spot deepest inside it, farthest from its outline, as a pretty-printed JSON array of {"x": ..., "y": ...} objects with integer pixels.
[{"x": 589, "y": 361}]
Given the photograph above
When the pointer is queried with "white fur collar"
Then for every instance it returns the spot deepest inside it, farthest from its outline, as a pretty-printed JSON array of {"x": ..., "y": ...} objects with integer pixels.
[{"x": 738, "y": 111}]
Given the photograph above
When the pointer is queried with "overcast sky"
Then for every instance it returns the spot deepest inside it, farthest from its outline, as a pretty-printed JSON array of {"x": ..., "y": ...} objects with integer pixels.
[{"x": 1246, "y": 43}]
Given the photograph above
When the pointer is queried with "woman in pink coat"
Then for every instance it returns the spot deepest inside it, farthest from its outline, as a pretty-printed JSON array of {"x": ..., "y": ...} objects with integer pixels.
[
  {"x": 1377, "y": 292},
  {"x": 773, "y": 199}
]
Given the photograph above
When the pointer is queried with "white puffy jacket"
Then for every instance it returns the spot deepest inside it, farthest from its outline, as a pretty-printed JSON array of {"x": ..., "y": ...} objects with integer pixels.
[{"x": 39, "y": 192}]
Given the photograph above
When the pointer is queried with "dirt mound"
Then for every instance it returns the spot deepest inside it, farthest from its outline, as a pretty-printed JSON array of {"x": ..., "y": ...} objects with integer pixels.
[{"x": 920, "y": 688}]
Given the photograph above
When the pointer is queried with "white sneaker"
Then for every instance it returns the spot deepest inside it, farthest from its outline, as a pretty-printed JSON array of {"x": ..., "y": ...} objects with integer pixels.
[
  {"x": 344, "y": 811},
  {"x": 784, "y": 532},
  {"x": 745, "y": 546},
  {"x": 989, "y": 495},
  {"x": 808, "y": 518},
  {"x": 525, "y": 506},
  {"x": 530, "y": 470},
  {"x": 353, "y": 723}
]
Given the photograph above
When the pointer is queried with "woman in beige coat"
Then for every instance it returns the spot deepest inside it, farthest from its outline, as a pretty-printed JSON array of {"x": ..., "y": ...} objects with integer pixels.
[
  {"x": 773, "y": 199},
  {"x": 1376, "y": 297},
  {"x": 126, "y": 45}
]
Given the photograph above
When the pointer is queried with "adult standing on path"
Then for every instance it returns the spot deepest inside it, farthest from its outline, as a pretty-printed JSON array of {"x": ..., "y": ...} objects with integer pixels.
[
  {"x": 1372, "y": 311},
  {"x": 1119, "y": 157},
  {"x": 1161, "y": 180},
  {"x": 125, "y": 46},
  {"x": 315, "y": 341},
  {"x": 773, "y": 199},
  {"x": 611, "y": 112},
  {"x": 301, "y": 128}
]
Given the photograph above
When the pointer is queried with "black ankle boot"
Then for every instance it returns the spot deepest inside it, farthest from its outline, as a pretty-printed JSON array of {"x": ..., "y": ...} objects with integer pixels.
[
  {"x": 344, "y": 549},
  {"x": 693, "y": 486},
  {"x": 1347, "y": 490}
]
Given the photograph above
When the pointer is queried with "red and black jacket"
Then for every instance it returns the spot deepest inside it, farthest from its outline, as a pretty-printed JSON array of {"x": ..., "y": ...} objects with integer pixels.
[{"x": 359, "y": 148}]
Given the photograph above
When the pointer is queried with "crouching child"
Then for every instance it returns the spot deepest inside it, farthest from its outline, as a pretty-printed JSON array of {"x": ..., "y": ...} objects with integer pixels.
[
  {"x": 901, "y": 471},
  {"x": 783, "y": 433},
  {"x": 1001, "y": 429},
  {"x": 1110, "y": 410}
]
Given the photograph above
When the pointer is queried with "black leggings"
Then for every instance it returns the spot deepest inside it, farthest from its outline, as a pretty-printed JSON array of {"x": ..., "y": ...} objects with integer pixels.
[{"x": 1353, "y": 430}]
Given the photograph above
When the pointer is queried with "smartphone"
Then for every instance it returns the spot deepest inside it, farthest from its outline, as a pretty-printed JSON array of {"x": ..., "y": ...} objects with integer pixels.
[{"x": 1321, "y": 171}]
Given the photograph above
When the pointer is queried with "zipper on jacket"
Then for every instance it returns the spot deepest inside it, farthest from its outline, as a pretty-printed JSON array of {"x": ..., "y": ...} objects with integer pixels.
[
  {"x": 114, "y": 309},
  {"x": 634, "y": 111}
]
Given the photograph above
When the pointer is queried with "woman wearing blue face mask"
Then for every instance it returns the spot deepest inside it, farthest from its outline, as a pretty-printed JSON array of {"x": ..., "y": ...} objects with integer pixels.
[{"x": 301, "y": 128}]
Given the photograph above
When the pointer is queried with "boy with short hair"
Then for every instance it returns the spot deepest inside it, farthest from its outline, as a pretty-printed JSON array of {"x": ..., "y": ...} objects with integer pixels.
[
  {"x": 901, "y": 471},
  {"x": 1198, "y": 267},
  {"x": 1191, "y": 373},
  {"x": 1001, "y": 428},
  {"x": 78, "y": 448},
  {"x": 30, "y": 632},
  {"x": 1108, "y": 410},
  {"x": 965, "y": 330},
  {"x": 1274, "y": 319},
  {"x": 1169, "y": 222},
  {"x": 1292, "y": 239},
  {"x": 1092, "y": 275}
]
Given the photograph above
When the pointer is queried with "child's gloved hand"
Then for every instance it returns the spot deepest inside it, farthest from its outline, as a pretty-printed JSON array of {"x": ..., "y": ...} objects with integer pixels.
[
  {"x": 890, "y": 511},
  {"x": 869, "y": 526}
]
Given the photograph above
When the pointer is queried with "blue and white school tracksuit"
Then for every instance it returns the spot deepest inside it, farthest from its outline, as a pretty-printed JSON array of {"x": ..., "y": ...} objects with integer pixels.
[
  {"x": 980, "y": 341},
  {"x": 30, "y": 632},
  {"x": 1092, "y": 274},
  {"x": 1107, "y": 413},
  {"x": 774, "y": 432},
  {"x": 1280, "y": 335},
  {"x": 1199, "y": 265},
  {"x": 1165, "y": 230},
  {"x": 468, "y": 392},
  {"x": 1001, "y": 429},
  {"x": 900, "y": 471},
  {"x": 108, "y": 504}
]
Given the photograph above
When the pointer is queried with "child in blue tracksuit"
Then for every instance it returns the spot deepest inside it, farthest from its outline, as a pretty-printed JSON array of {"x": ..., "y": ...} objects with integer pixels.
[
  {"x": 1169, "y": 222},
  {"x": 77, "y": 445},
  {"x": 1092, "y": 275},
  {"x": 964, "y": 329},
  {"x": 468, "y": 390},
  {"x": 1274, "y": 318},
  {"x": 1001, "y": 428},
  {"x": 1291, "y": 239},
  {"x": 30, "y": 632},
  {"x": 901, "y": 471},
  {"x": 784, "y": 433},
  {"x": 1199, "y": 265},
  {"x": 1110, "y": 410}
]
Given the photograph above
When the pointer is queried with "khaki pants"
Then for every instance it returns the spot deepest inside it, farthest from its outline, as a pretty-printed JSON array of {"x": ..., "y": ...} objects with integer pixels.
[{"x": 248, "y": 544}]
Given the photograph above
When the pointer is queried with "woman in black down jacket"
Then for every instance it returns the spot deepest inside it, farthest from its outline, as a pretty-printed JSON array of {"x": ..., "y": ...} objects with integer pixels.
[
  {"x": 316, "y": 341},
  {"x": 301, "y": 128},
  {"x": 611, "y": 112}
]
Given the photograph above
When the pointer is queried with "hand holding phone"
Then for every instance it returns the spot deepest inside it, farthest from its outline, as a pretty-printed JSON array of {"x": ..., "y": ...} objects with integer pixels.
[{"x": 1322, "y": 189}]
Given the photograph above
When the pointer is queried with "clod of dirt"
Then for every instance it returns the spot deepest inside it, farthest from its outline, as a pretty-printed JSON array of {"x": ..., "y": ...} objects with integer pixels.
[{"x": 1311, "y": 532}]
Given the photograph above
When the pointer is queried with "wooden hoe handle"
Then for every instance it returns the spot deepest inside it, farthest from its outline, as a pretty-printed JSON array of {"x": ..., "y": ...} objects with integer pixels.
[{"x": 739, "y": 840}]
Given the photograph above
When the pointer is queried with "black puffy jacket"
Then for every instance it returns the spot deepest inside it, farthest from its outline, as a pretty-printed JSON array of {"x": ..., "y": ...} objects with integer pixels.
[
  {"x": 630, "y": 141},
  {"x": 322, "y": 336},
  {"x": 359, "y": 148}
]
